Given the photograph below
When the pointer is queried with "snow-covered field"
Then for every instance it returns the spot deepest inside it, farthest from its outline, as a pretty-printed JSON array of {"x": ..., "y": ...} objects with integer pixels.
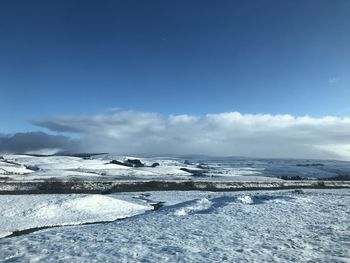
[
  {"x": 23, "y": 212},
  {"x": 173, "y": 226},
  {"x": 270, "y": 226},
  {"x": 99, "y": 168}
]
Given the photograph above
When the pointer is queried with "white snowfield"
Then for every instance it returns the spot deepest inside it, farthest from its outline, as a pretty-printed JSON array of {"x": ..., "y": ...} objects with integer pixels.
[
  {"x": 33, "y": 168},
  {"x": 22, "y": 212},
  {"x": 258, "y": 226},
  {"x": 98, "y": 168},
  {"x": 8, "y": 168}
]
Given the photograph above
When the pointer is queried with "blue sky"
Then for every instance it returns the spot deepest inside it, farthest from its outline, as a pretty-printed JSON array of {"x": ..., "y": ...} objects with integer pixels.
[
  {"x": 251, "y": 78},
  {"x": 172, "y": 57}
]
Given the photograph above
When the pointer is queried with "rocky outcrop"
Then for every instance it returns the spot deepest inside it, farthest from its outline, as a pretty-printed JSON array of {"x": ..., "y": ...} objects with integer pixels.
[
  {"x": 155, "y": 164},
  {"x": 129, "y": 163},
  {"x": 135, "y": 162},
  {"x": 121, "y": 163},
  {"x": 194, "y": 172}
]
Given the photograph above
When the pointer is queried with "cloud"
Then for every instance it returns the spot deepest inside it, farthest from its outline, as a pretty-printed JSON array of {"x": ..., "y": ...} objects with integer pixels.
[
  {"x": 223, "y": 134},
  {"x": 34, "y": 142}
]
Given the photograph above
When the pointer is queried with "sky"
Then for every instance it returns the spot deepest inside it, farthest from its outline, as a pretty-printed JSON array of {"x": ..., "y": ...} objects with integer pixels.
[{"x": 71, "y": 64}]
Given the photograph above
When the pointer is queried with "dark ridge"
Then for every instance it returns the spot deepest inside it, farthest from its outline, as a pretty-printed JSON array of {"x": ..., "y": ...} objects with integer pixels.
[
  {"x": 338, "y": 178},
  {"x": 121, "y": 163},
  {"x": 194, "y": 172},
  {"x": 35, "y": 229},
  {"x": 291, "y": 178},
  {"x": 80, "y": 155}
]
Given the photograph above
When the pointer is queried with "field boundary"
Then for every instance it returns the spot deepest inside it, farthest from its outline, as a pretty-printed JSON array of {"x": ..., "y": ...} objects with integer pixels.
[{"x": 108, "y": 187}]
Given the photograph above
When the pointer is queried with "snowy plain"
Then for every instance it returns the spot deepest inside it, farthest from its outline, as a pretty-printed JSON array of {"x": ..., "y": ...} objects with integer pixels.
[
  {"x": 174, "y": 226},
  {"x": 256, "y": 226},
  {"x": 99, "y": 167}
]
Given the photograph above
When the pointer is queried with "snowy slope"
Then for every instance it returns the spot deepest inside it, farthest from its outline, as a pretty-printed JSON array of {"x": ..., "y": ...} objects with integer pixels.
[
  {"x": 9, "y": 168},
  {"x": 21, "y": 212},
  {"x": 270, "y": 226},
  {"x": 66, "y": 167}
]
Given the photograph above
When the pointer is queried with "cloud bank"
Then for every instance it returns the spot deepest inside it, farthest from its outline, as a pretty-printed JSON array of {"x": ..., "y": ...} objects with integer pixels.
[
  {"x": 35, "y": 142},
  {"x": 224, "y": 134}
]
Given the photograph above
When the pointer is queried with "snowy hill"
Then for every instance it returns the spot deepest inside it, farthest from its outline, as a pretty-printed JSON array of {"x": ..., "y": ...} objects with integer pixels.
[{"x": 114, "y": 167}]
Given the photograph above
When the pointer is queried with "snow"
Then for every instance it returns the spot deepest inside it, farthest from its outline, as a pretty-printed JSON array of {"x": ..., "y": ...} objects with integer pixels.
[
  {"x": 29, "y": 168},
  {"x": 99, "y": 168},
  {"x": 62, "y": 162},
  {"x": 192, "y": 226},
  {"x": 21, "y": 212},
  {"x": 246, "y": 199},
  {"x": 12, "y": 168},
  {"x": 200, "y": 205},
  {"x": 256, "y": 226}
]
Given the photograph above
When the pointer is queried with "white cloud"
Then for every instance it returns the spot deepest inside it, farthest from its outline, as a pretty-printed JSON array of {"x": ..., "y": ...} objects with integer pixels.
[{"x": 231, "y": 133}]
